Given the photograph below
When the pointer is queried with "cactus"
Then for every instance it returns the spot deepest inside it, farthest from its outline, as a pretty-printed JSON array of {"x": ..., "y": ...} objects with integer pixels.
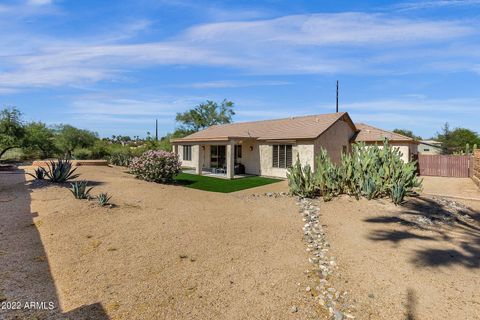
[
  {"x": 80, "y": 189},
  {"x": 301, "y": 180},
  {"x": 398, "y": 192},
  {"x": 38, "y": 174},
  {"x": 60, "y": 171},
  {"x": 467, "y": 148},
  {"x": 103, "y": 199}
]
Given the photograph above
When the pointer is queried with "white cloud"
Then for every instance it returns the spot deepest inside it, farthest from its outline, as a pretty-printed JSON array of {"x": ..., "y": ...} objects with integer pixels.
[
  {"x": 418, "y": 5},
  {"x": 40, "y": 2},
  {"x": 350, "y": 43},
  {"x": 231, "y": 84}
]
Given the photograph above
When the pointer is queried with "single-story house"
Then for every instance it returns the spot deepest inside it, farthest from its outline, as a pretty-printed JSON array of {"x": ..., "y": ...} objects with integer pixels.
[
  {"x": 269, "y": 147},
  {"x": 430, "y": 147},
  {"x": 375, "y": 136}
]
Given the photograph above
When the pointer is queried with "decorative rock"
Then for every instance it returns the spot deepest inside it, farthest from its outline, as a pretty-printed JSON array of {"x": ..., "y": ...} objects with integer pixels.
[{"x": 293, "y": 309}]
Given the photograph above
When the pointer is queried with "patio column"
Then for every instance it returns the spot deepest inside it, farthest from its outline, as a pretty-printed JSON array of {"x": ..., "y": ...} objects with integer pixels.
[
  {"x": 230, "y": 159},
  {"x": 197, "y": 158},
  {"x": 175, "y": 148}
]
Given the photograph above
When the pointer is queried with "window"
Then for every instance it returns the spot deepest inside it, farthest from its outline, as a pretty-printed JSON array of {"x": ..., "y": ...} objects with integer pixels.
[
  {"x": 187, "y": 153},
  {"x": 426, "y": 149},
  {"x": 282, "y": 156},
  {"x": 238, "y": 152}
]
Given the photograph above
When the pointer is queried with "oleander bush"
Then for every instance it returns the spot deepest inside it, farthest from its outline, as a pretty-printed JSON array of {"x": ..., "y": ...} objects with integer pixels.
[
  {"x": 156, "y": 166},
  {"x": 369, "y": 172}
]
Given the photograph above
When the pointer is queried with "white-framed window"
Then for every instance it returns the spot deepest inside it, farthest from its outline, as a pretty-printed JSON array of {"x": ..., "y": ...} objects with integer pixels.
[
  {"x": 282, "y": 156},
  {"x": 187, "y": 153}
]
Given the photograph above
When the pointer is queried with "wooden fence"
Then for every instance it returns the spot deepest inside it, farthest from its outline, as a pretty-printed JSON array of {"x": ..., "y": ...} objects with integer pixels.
[
  {"x": 444, "y": 165},
  {"x": 476, "y": 168}
]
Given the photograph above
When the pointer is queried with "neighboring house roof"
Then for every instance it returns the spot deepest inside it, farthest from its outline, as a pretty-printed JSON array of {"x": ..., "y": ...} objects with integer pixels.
[
  {"x": 367, "y": 133},
  {"x": 433, "y": 143},
  {"x": 305, "y": 127}
]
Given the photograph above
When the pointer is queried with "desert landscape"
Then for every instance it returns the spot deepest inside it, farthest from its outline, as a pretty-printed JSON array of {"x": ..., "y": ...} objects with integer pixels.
[{"x": 170, "y": 252}]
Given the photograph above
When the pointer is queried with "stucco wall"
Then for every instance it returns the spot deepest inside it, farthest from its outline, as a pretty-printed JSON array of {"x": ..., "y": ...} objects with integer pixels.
[
  {"x": 429, "y": 149},
  {"x": 407, "y": 149},
  {"x": 303, "y": 149},
  {"x": 195, "y": 150},
  {"x": 250, "y": 158},
  {"x": 334, "y": 139}
]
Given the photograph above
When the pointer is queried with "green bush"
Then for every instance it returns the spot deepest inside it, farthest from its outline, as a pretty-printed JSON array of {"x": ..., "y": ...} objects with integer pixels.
[
  {"x": 82, "y": 154},
  {"x": 369, "y": 172}
]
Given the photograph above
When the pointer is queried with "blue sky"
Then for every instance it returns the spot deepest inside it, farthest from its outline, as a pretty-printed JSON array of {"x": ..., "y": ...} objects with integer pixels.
[{"x": 115, "y": 66}]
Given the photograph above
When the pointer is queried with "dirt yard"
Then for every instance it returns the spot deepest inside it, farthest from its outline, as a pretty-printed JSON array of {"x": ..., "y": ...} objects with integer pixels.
[
  {"x": 169, "y": 252},
  {"x": 165, "y": 252}
]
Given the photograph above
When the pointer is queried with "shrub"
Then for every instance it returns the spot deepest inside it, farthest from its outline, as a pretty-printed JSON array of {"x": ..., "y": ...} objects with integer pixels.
[
  {"x": 80, "y": 189},
  {"x": 369, "y": 172},
  {"x": 156, "y": 166},
  {"x": 82, "y": 154},
  {"x": 60, "y": 171},
  {"x": 120, "y": 159},
  {"x": 103, "y": 199}
]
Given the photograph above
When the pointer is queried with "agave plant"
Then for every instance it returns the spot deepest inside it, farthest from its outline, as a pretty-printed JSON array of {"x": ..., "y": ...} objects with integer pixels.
[
  {"x": 103, "y": 199},
  {"x": 80, "y": 189},
  {"x": 60, "y": 171},
  {"x": 38, "y": 174}
]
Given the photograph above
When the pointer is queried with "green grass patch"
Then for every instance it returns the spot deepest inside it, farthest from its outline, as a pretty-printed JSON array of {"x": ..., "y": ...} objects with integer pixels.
[{"x": 221, "y": 185}]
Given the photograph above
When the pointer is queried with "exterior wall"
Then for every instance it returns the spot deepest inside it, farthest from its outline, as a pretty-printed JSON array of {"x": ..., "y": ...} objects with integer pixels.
[
  {"x": 195, "y": 151},
  {"x": 428, "y": 149},
  {"x": 334, "y": 140},
  {"x": 250, "y": 158},
  {"x": 304, "y": 150},
  {"x": 408, "y": 150}
]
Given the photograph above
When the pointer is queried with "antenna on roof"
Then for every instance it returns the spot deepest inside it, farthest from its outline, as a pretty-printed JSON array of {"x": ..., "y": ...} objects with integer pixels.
[{"x": 337, "y": 97}]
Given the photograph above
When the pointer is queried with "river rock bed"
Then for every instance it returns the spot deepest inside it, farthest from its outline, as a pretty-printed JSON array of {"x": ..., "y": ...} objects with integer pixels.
[{"x": 323, "y": 264}]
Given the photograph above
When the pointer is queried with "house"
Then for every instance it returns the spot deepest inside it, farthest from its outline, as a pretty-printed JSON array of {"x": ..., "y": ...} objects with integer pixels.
[
  {"x": 269, "y": 147},
  {"x": 375, "y": 136},
  {"x": 430, "y": 147}
]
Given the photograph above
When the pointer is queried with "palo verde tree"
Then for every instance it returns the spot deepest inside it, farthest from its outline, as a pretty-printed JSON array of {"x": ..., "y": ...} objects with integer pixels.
[
  {"x": 408, "y": 133},
  {"x": 205, "y": 115},
  {"x": 39, "y": 137},
  {"x": 69, "y": 138},
  {"x": 12, "y": 131},
  {"x": 456, "y": 140}
]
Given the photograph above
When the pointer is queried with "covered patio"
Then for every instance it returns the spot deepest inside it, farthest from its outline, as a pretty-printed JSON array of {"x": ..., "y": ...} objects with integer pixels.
[{"x": 219, "y": 158}]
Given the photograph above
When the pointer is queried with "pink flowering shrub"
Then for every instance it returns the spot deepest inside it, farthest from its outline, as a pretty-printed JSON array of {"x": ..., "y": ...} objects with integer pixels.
[{"x": 156, "y": 166}]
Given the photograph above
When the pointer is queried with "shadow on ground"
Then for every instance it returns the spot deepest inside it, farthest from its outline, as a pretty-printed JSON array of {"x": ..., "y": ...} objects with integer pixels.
[
  {"x": 427, "y": 219},
  {"x": 25, "y": 275}
]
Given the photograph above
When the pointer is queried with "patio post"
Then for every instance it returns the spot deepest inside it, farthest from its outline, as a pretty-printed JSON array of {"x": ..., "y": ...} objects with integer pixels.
[
  {"x": 197, "y": 157},
  {"x": 230, "y": 159},
  {"x": 175, "y": 148}
]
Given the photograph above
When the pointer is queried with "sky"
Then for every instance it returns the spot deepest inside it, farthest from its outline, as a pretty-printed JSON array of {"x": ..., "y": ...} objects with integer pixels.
[{"x": 115, "y": 66}]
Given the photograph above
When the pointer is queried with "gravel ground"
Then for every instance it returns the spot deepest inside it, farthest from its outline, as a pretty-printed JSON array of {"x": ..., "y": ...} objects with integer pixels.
[
  {"x": 168, "y": 252},
  {"x": 164, "y": 252}
]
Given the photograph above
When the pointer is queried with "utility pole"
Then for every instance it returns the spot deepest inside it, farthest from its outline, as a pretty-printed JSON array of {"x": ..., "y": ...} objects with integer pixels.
[
  {"x": 156, "y": 129},
  {"x": 337, "y": 97}
]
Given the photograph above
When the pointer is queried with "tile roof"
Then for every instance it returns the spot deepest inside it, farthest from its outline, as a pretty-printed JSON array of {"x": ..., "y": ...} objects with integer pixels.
[
  {"x": 304, "y": 127},
  {"x": 368, "y": 133}
]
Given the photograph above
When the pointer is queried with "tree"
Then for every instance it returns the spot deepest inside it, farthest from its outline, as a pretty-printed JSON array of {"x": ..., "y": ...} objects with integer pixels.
[
  {"x": 12, "y": 131},
  {"x": 407, "y": 133},
  {"x": 69, "y": 138},
  {"x": 205, "y": 115},
  {"x": 457, "y": 140},
  {"x": 39, "y": 137}
]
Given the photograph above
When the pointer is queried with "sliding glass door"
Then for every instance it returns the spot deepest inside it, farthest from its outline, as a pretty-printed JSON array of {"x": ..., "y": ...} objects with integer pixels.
[{"x": 217, "y": 156}]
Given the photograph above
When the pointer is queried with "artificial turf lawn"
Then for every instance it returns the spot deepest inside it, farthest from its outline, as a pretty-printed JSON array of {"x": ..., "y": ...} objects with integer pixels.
[{"x": 221, "y": 185}]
